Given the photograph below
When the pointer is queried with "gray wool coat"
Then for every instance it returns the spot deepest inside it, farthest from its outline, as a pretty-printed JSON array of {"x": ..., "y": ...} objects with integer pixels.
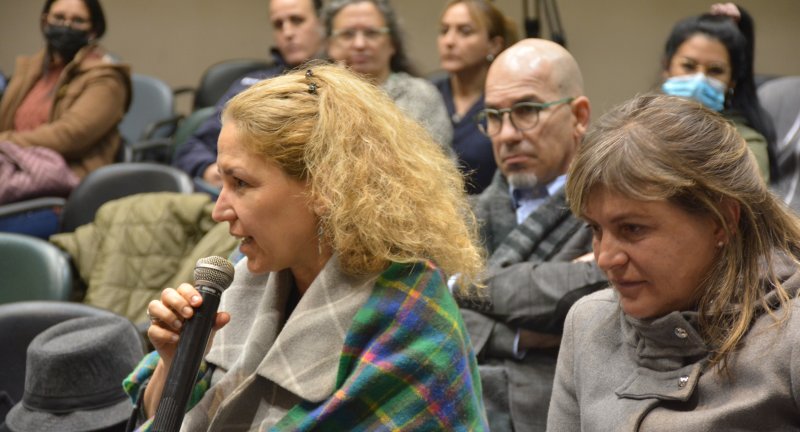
[
  {"x": 617, "y": 373},
  {"x": 418, "y": 98},
  {"x": 267, "y": 362},
  {"x": 532, "y": 283}
]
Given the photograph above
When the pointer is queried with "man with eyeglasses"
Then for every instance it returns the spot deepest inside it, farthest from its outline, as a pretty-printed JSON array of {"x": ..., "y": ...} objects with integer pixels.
[
  {"x": 299, "y": 37},
  {"x": 536, "y": 115}
]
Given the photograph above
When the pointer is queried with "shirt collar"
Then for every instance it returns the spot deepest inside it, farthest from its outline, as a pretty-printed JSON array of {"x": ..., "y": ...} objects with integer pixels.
[{"x": 519, "y": 195}]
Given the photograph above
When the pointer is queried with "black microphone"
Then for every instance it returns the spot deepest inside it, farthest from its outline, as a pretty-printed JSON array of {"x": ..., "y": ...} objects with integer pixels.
[{"x": 212, "y": 275}]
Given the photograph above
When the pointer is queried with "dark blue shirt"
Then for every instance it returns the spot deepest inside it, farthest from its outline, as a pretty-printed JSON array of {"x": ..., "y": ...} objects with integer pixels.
[
  {"x": 200, "y": 150},
  {"x": 473, "y": 148}
]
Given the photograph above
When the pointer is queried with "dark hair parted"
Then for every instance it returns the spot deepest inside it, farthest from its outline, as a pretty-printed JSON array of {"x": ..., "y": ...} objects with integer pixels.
[
  {"x": 658, "y": 147},
  {"x": 744, "y": 99},
  {"x": 97, "y": 17},
  {"x": 400, "y": 61}
]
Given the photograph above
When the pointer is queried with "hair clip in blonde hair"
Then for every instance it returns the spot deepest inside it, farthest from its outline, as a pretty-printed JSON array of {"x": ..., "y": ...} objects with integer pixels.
[{"x": 312, "y": 86}]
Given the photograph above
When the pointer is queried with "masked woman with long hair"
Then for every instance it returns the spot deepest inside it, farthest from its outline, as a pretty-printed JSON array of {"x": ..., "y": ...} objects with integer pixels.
[{"x": 709, "y": 58}]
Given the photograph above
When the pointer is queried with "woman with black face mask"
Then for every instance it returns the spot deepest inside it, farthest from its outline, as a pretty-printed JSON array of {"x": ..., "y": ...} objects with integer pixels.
[{"x": 70, "y": 96}]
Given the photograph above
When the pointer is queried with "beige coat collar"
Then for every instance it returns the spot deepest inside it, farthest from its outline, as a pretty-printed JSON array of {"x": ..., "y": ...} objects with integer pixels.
[{"x": 301, "y": 355}]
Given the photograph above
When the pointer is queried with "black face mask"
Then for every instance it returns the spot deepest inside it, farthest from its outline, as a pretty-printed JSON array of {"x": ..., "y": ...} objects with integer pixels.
[{"x": 65, "y": 41}]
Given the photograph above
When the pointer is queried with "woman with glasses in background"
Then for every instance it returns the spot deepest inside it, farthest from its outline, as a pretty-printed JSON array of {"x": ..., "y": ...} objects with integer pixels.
[
  {"x": 365, "y": 35},
  {"x": 71, "y": 95},
  {"x": 472, "y": 33}
]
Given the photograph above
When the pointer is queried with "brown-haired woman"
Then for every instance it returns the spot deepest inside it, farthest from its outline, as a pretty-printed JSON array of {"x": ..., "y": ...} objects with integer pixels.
[{"x": 700, "y": 330}]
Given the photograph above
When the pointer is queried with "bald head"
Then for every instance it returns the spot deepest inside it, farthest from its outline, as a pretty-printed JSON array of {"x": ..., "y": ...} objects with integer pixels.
[
  {"x": 543, "y": 73},
  {"x": 546, "y": 61}
]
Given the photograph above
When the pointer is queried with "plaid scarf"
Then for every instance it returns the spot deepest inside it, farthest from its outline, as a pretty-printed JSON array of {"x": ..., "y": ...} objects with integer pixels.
[
  {"x": 407, "y": 363},
  {"x": 539, "y": 236}
]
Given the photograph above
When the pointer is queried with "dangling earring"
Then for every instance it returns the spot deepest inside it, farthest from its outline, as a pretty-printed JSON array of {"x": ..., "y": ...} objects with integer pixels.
[
  {"x": 320, "y": 234},
  {"x": 490, "y": 57}
]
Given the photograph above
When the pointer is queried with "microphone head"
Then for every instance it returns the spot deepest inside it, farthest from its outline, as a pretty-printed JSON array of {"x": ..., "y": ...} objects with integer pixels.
[{"x": 215, "y": 272}]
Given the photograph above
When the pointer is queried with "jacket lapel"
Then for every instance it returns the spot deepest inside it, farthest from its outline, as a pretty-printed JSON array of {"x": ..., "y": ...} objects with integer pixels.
[
  {"x": 270, "y": 366},
  {"x": 538, "y": 236},
  {"x": 254, "y": 323},
  {"x": 496, "y": 211},
  {"x": 305, "y": 356}
]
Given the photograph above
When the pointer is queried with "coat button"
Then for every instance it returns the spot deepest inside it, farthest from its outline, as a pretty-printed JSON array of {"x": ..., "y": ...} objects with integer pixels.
[
  {"x": 681, "y": 332},
  {"x": 682, "y": 381}
]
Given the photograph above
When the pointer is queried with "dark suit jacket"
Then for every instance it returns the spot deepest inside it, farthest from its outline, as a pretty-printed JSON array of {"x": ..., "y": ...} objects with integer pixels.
[{"x": 532, "y": 282}]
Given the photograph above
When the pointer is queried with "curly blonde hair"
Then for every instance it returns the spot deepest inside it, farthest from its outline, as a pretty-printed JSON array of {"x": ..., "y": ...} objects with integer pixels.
[
  {"x": 658, "y": 147},
  {"x": 387, "y": 190}
]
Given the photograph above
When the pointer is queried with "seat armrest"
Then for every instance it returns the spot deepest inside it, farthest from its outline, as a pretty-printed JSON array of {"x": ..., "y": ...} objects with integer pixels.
[{"x": 30, "y": 205}]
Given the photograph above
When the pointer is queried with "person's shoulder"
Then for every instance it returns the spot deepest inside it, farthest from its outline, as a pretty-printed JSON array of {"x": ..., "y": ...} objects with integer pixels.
[
  {"x": 412, "y": 273},
  {"x": 602, "y": 297},
  {"x": 598, "y": 304},
  {"x": 440, "y": 81},
  {"x": 417, "y": 292},
  {"x": 253, "y": 77},
  {"x": 498, "y": 188},
  {"x": 418, "y": 279},
  {"x": 594, "y": 319},
  {"x": 410, "y": 294},
  {"x": 98, "y": 63},
  {"x": 745, "y": 130},
  {"x": 97, "y": 55},
  {"x": 412, "y": 84},
  {"x": 25, "y": 59},
  {"x": 426, "y": 86}
]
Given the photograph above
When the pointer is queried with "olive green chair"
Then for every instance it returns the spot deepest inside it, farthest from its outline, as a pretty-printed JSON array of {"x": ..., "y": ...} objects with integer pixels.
[{"x": 32, "y": 269}]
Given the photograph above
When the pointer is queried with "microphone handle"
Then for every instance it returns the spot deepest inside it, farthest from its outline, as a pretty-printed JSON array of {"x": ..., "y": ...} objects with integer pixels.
[{"x": 182, "y": 373}]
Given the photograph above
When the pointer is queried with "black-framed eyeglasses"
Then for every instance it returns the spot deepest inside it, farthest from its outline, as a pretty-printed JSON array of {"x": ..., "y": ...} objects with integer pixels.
[{"x": 523, "y": 115}]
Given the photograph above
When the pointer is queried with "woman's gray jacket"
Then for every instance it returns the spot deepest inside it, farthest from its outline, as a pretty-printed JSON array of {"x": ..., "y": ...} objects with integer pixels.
[{"x": 617, "y": 373}]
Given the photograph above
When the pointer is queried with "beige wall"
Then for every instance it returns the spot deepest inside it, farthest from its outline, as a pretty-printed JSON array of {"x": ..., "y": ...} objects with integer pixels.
[{"x": 616, "y": 42}]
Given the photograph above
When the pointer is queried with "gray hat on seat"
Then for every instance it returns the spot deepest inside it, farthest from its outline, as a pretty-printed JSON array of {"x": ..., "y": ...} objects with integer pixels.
[{"x": 73, "y": 377}]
